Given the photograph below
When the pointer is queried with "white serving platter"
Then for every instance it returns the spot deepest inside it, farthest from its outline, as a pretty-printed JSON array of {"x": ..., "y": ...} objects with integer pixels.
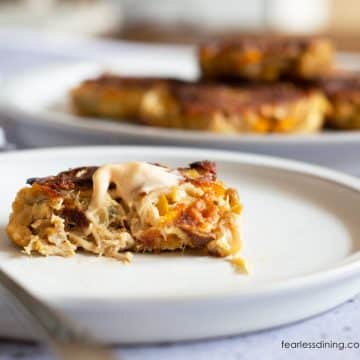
[{"x": 37, "y": 107}]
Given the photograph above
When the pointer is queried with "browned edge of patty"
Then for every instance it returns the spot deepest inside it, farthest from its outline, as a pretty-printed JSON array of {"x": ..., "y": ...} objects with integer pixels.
[
  {"x": 81, "y": 178},
  {"x": 281, "y": 45}
]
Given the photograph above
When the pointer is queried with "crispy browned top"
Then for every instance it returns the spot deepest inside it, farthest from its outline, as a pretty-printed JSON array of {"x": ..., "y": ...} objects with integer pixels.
[
  {"x": 284, "y": 46},
  {"x": 119, "y": 81},
  {"x": 81, "y": 178},
  {"x": 205, "y": 98},
  {"x": 205, "y": 167}
]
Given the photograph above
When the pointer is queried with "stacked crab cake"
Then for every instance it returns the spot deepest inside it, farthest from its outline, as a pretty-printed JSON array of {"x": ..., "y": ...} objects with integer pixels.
[
  {"x": 266, "y": 58},
  {"x": 303, "y": 61},
  {"x": 247, "y": 85},
  {"x": 117, "y": 209}
]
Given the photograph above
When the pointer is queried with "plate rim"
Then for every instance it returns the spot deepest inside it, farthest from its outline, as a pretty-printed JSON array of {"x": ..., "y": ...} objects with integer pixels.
[
  {"x": 66, "y": 121},
  {"x": 303, "y": 282}
]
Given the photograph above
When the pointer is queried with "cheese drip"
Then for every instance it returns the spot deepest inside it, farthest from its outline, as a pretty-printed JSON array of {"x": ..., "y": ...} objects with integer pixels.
[{"x": 130, "y": 179}]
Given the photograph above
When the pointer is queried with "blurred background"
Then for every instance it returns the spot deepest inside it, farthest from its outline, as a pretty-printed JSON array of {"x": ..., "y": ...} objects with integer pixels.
[
  {"x": 156, "y": 35},
  {"x": 187, "y": 21}
]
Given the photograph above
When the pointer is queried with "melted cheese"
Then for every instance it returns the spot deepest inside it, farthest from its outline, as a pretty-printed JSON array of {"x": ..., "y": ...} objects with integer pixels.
[{"x": 130, "y": 179}]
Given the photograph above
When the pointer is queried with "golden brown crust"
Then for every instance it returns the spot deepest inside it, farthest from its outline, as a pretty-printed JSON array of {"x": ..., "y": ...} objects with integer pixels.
[{"x": 266, "y": 58}]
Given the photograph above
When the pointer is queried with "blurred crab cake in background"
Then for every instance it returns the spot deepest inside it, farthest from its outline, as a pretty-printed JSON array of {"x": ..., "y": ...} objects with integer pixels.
[
  {"x": 267, "y": 58},
  {"x": 198, "y": 105},
  {"x": 343, "y": 93}
]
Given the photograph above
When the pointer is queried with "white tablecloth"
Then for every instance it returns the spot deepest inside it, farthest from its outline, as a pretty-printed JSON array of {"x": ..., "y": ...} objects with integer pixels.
[{"x": 21, "y": 50}]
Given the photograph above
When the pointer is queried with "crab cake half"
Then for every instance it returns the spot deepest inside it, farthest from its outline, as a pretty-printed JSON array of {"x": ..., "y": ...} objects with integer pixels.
[
  {"x": 279, "y": 107},
  {"x": 117, "y": 209},
  {"x": 265, "y": 58}
]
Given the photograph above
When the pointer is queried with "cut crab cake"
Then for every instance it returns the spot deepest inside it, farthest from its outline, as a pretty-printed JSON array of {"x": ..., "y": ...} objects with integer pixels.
[
  {"x": 117, "y": 209},
  {"x": 268, "y": 58}
]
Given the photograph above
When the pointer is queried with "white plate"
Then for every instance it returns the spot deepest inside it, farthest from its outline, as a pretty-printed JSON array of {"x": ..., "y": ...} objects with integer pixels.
[
  {"x": 37, "y": 105},
  {"x": 301, "y": 240}
]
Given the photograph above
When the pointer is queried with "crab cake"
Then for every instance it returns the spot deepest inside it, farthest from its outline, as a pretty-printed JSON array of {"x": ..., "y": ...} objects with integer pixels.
[
  {"x": 112, "y": 96},
  {"x": 265, "y": 58},
  {"x": 267, "y": 108},
  {"x": 343, "y": 93},
  {"x": 117, "y": 209}
]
